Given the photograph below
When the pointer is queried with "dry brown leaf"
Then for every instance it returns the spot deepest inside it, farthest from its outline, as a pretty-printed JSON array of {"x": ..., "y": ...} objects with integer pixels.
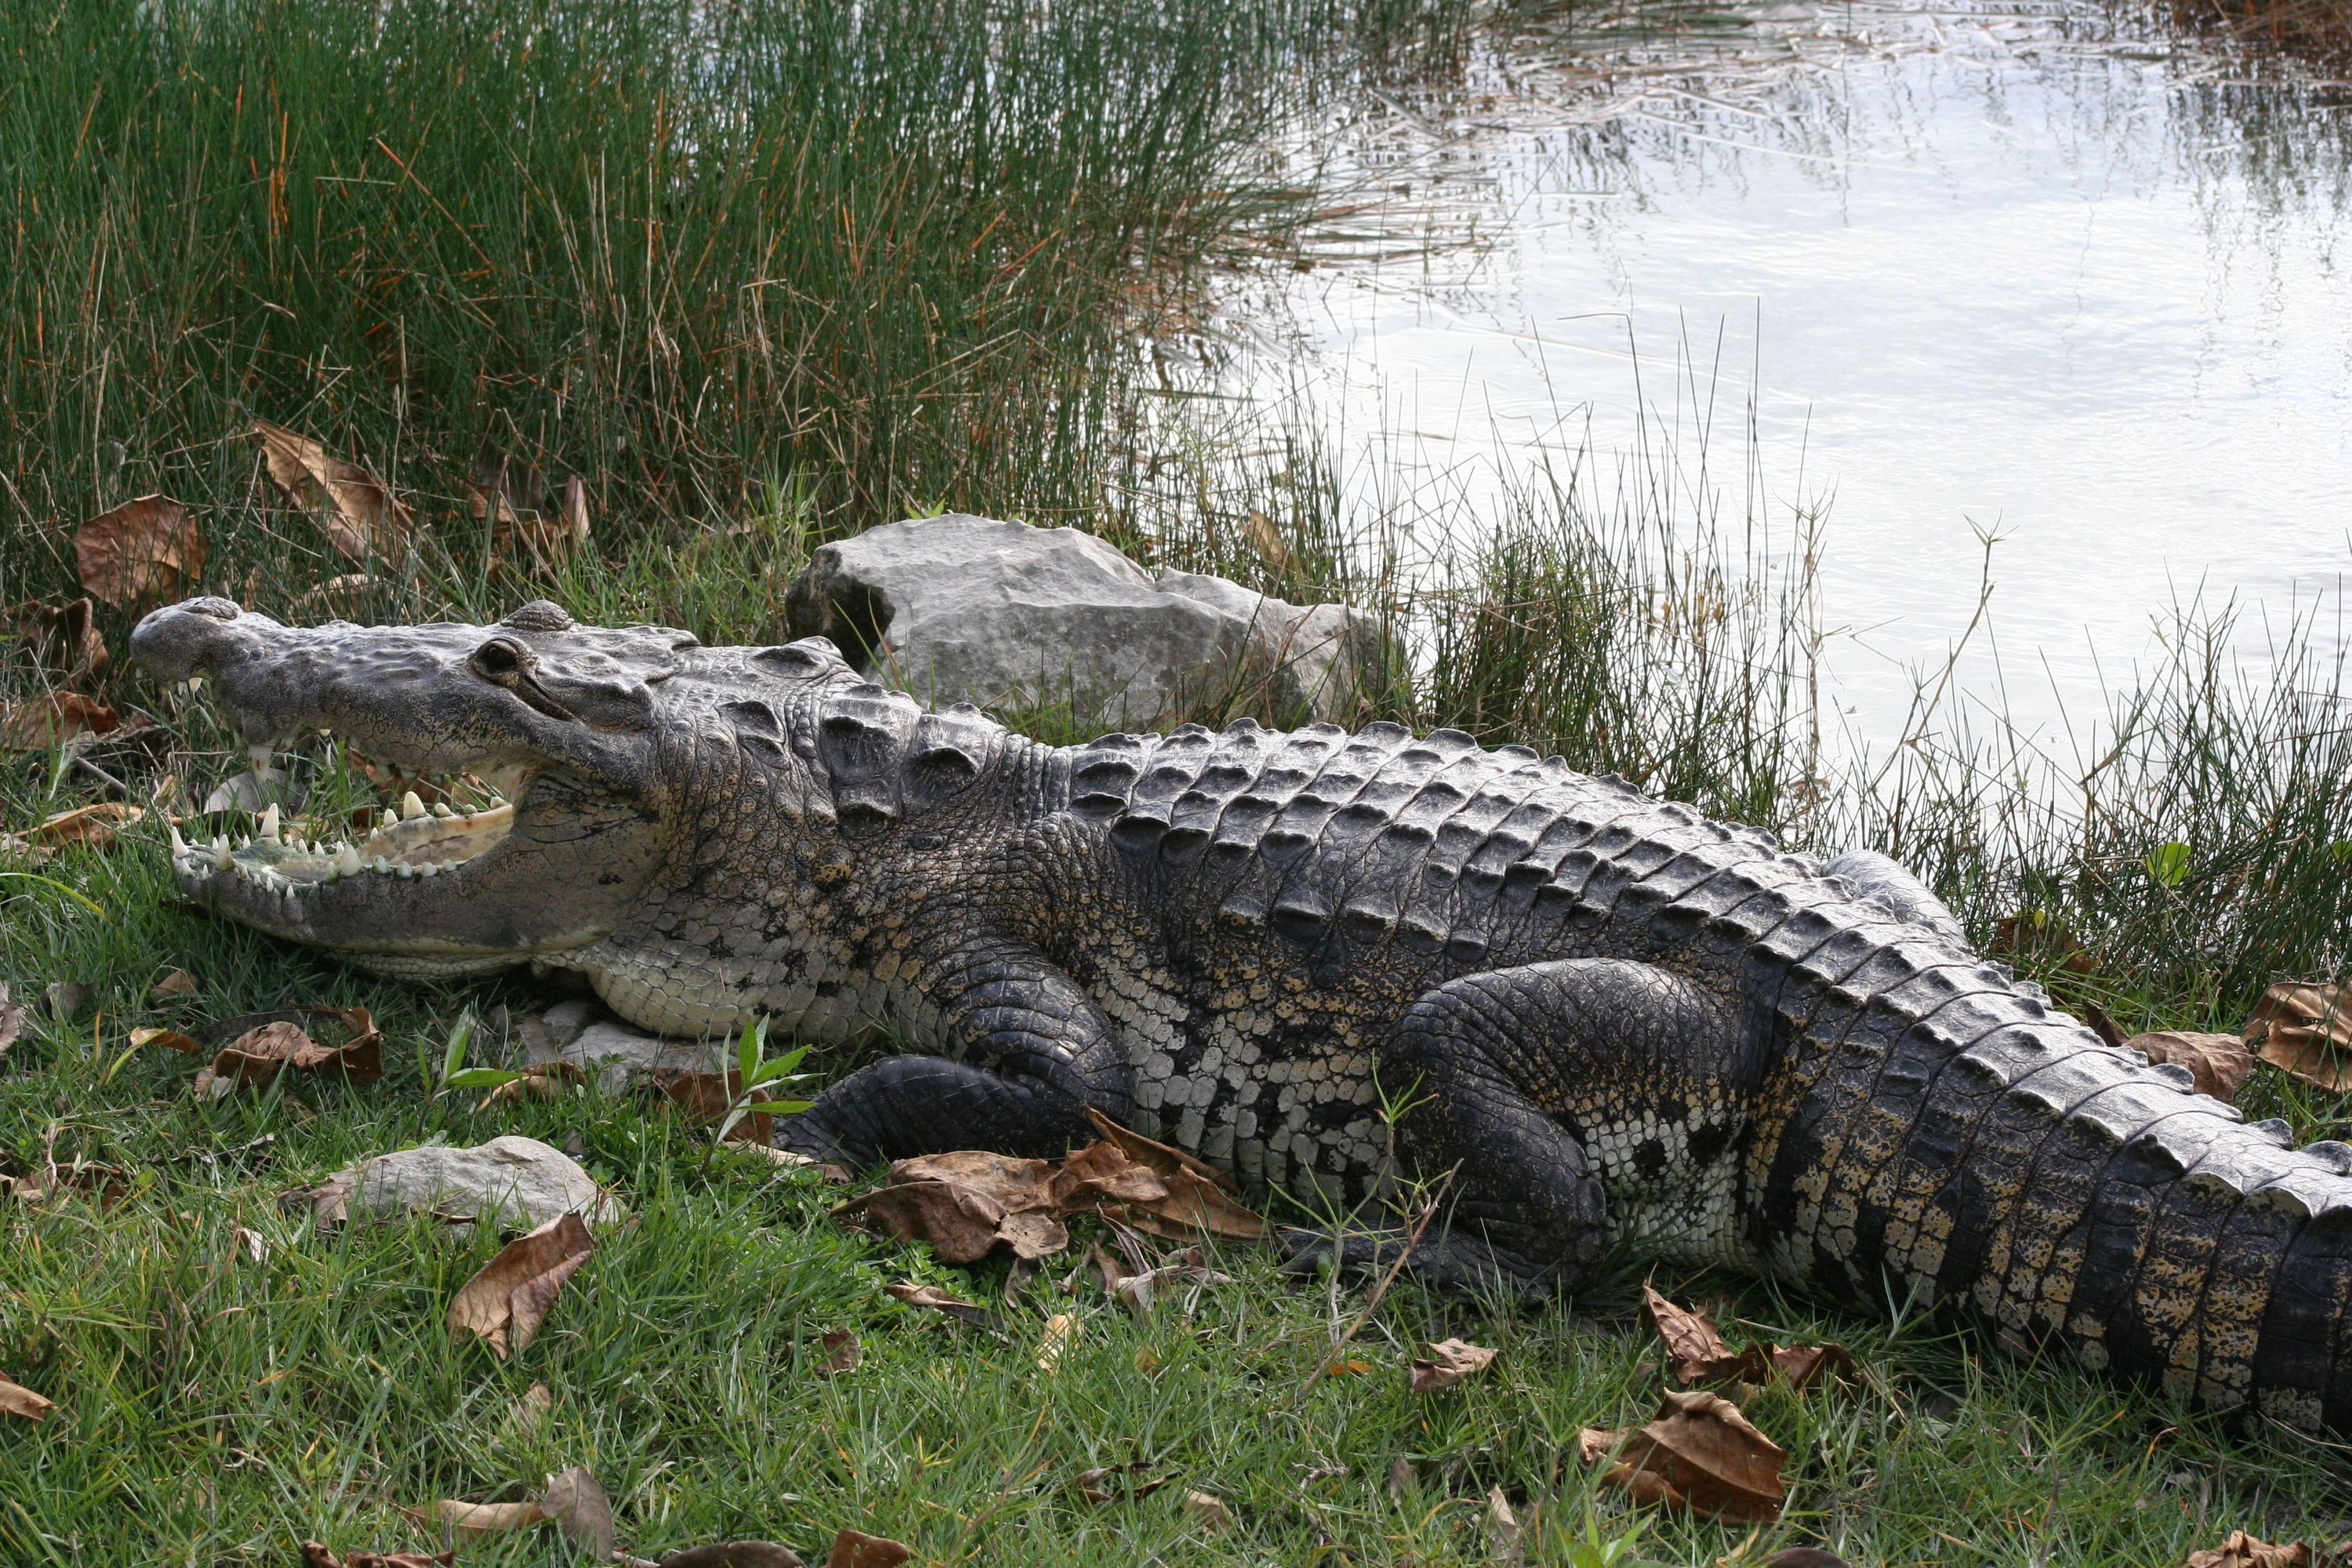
[
  {"x": 2307, "y": 1030},
  {"x": 707, "y": 1098},
  {"x": 1697, "y": 1347},
  {"x": 52, "y": 719},
  {"x": 1505, "y": 1544},
  {"x": 63, "y": 638},
  {"x": 2244, "y": 1550},
  {"x": 12, "y": 1021},
  {"x": 257, "y": 1055},
  {"x": 17, "y": 1400},
  {"x": 1448, "y": 1363},
  {"x": 1012, "y": 1184},
  {"x": 1193, "y": 1207},
  {"x": 62, "y": 999},
  {"x": 92, "y": 825},
  {"x": 1699, "y": 1453},
  {"x": 855, "y": 1548},
  {"x": 955, "y": 1306},
  {"x": 733, "y": 1555},
  {"x": 362, "y": 518},
  {"x": 315, "y": 1555},
  {"x": 842, "y": 1352},
  {"x": 1105, "y": 1173},
  {"x": 505, "y": 1302},
  {"x": 141, "y": 553},
  {"x": 179, "y": 983},
  {"x": 1165, "y": 1159},
  {"x": 482, "y": 1518},
  {"x": 1208, "y": 1512},
  {"x": 1804, "y": 1365},
  {"x": 170, "y": 1040},
  {"x": 581, "y": 1511},
  {"x": 1352, "y": 1367},
  {"x": 2219, "y": 1063},
  {"x": 960, "y": 1224}
]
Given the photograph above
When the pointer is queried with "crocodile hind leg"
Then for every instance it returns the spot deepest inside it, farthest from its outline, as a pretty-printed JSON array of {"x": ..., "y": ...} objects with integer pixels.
[{"x": 1537, "y": 1087}]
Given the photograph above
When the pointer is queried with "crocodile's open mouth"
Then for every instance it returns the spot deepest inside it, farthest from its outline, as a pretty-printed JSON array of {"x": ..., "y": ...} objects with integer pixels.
[
  {"x": 280, "y": 856},
  {"x": 457, "y": 875}
]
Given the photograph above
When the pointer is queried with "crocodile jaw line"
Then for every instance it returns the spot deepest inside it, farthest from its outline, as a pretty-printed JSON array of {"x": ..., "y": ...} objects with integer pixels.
[{"x": 278, "y": 858}]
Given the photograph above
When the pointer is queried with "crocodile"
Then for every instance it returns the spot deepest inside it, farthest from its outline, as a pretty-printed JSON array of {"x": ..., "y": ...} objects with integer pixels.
[{"x": 1330, "y": 962}]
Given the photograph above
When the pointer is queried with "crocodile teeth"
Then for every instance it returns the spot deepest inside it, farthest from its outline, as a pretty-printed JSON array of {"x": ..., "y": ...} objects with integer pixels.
[
  {"x": 348, "y": 862},
  {"x": 221, "y": 852},
  {"x": 441, "y": 808},
  {"x": 429, "y": 869},
  {"x": 378, "y": 865},
  {"x": 270, "y": 823},
  {"x": 391, "y": 818},
  {"x": 179, "y": 844},
  {"x": 411, "y": 808}
]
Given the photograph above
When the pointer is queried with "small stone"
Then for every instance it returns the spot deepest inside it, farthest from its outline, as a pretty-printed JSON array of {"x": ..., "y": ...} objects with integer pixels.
[
  {"x": 511, "y": 1180},
  {"x": 614, "y": 1054}
]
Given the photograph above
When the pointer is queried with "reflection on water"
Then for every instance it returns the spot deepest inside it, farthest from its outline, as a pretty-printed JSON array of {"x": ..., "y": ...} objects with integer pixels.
[{"x": 1981, "y": 269}]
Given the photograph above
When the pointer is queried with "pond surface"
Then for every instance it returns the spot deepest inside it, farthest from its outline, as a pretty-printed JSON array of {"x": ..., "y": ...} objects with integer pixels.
[{"x": 1928, "y": 273}]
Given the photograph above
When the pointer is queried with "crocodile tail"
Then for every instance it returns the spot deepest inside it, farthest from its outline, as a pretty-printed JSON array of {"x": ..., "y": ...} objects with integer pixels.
[{"x": 1989, "y": 1153}]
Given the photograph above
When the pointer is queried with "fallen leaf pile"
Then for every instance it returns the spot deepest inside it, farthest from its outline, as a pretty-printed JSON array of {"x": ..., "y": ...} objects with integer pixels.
[
  {"x": 965, "y": 1205},
  {"x": 91, "y": 825},
  {"x": 1698, "y": 1452},
  {"x": 1701, "y": 1355},
  {"x": 505, "y": 1303},
  {"x": 276, "y": 1043}
]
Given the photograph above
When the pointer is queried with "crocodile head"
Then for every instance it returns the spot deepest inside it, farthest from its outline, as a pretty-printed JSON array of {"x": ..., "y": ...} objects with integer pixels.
[{"x": 601, "y": 732}]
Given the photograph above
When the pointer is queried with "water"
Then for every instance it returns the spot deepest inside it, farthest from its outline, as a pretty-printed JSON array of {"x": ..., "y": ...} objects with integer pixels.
[{"x": 2007, "y": 271}]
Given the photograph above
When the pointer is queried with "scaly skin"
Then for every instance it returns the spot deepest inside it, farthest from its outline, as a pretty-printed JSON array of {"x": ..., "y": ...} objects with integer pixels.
[{"x": 1612, "y": 1018}]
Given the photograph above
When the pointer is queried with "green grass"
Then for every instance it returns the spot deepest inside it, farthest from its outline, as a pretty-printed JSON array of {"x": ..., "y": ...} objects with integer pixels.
[
  {"x": 216, "y": 1410},
  {"x": 768, "y": 274}
]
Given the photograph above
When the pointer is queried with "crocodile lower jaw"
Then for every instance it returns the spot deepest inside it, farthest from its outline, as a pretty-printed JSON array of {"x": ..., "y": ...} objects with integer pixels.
[{"x": 414, "y": 842}]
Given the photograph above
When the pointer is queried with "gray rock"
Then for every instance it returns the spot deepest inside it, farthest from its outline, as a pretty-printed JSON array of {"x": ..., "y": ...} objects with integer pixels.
[
  {"x": 970, "y": 609},
  {"x": 513, "y": 1181},
  {"x": 615, "y": 1055}
]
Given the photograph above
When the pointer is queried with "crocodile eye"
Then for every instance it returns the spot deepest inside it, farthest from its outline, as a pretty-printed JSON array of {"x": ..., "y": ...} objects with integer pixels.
[{"x": 498, "y": 660}]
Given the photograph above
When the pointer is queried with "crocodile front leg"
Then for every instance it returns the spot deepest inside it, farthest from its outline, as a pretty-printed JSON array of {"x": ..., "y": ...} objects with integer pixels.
[
  {"x": 1538, "y": 1087},
  {"x": 1032, "y": 1053}
]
